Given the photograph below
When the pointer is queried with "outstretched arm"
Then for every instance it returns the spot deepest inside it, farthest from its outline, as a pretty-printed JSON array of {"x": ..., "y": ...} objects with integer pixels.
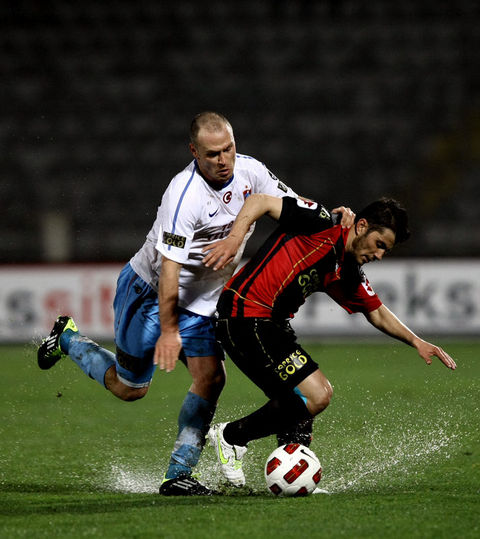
[
  {"x": 169, "y": 343},
  {"x": 384, "y": 320},
  {"x": 222, "y": 252}
]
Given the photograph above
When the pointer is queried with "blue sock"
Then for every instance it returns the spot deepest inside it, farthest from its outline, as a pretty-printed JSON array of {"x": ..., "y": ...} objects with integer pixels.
[
  {"x": 93, "y": 360},
  {"x": 193, "y": 423},
  {"x": 65, "y": 339},
  {"x": 301, "y": 395}
]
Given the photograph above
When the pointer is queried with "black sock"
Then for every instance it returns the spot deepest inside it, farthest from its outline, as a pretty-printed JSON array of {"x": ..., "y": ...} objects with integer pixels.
[
  {"x": 274, "y": 417},
  {"x": 300, "y": 434}
]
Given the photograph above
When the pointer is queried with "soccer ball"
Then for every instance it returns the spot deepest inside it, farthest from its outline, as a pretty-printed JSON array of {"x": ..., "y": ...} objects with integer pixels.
[{"x": 292, "y": 470}]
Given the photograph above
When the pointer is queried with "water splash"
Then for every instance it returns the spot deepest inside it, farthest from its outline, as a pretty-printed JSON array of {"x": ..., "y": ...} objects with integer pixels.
[
  {"x": 127, "y": 479},
  {"x": 379, "y": 458}
]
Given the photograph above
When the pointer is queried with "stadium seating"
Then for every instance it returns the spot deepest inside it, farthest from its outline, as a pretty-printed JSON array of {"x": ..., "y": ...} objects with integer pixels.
[{"x": 345, "y": 101}]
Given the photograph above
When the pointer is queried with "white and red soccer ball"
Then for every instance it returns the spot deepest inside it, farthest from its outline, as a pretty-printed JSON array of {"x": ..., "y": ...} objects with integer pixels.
[{"x": 292, "y": 470}]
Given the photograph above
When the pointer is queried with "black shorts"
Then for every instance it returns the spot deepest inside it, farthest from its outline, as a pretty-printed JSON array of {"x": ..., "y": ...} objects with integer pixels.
[{"x": 267, "y": 352}]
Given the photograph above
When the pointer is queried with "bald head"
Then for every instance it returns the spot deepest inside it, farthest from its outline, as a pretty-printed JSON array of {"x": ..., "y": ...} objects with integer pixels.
[{"x": 210, "y": 122}]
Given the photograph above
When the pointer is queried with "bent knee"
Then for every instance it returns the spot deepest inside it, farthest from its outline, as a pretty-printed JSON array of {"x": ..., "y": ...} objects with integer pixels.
[
  {"x": 218, "y": 379},
  {"x": 120, "y": 389},
  {"x": 321, "y": 399},
  {"x": 212, "y": 377},
  {"x": 129, "y": 394}
]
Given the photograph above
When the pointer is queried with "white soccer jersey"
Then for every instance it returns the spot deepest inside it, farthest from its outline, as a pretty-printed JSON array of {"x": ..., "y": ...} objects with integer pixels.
[{"x": 192, "y": 215}]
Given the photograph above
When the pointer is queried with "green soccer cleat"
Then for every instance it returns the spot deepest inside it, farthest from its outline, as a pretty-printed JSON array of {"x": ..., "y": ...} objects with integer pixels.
[
  {"x": 229, "y": 456},
  {"x": 49, "y": 352},
  {"x": 185, "y": 485}
]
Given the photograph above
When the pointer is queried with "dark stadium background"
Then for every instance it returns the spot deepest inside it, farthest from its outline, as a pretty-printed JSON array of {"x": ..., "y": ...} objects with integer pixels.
[{"x": 345, "y": 101}]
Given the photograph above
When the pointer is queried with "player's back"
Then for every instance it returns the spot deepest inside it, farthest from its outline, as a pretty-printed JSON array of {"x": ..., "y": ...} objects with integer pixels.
[{"x": 285, "y": 270}]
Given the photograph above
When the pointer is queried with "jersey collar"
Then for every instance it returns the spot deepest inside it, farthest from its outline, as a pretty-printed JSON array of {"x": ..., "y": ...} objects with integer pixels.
[{"x": 214, "y": 186}]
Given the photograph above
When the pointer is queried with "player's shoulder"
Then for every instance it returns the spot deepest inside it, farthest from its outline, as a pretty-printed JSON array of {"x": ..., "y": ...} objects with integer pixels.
[
  {"x": 247, "y": 162},
  {"x": 185, "y": 182},
  {"x": 185, "y": 191}
]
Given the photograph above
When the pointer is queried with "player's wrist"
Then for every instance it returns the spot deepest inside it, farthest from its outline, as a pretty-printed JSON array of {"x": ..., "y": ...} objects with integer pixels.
[
  {"x": 236, "y": 236},
  {"x": 170, "y": 330},
  {"x": 416, "y": 342}
]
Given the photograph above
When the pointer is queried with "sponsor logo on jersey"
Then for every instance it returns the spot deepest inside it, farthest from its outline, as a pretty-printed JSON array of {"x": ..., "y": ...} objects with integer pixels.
[
  {"x": 174, "y": 240},
  {"x": 324, "y": 214},
  {"x": 280, "y": 185},
  {"x": 227, "y": 197},
  {"x": 309, "y": 204},
  {"x": 247, "y": 192},
  {"x": 368, "y": 289},
  {"x": 219, "y": 232},
  {"x": 309, "y": 282},
  {"x": 213, "y": 213}
]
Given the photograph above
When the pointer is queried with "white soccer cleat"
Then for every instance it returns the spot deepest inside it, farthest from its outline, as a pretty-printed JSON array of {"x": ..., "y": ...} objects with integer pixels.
[{"x": 229, "y": 456}]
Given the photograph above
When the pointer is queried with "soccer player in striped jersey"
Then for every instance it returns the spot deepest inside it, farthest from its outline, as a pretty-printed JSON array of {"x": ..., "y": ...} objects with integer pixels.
[
  {"x": 309, "y": 252},
  {"x": 166, "y": 297}
]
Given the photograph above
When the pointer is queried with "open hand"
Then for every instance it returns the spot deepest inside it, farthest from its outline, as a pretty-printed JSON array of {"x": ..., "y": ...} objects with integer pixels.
[
  {"x": 220, "y": 253},
  {"x": 167, "y": 350}
]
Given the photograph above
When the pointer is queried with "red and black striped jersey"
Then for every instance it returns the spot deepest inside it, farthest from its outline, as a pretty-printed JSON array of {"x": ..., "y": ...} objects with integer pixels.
[{"x": 305, "y": 254}]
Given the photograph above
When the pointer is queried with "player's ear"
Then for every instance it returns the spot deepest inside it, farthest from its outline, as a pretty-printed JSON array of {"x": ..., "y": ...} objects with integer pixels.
[
  {"x": 193, "y": 150},
  {"x": 361, "y": 226}
]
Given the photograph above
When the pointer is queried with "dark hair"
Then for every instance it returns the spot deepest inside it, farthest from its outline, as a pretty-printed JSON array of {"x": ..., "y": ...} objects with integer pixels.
[
  {"x": 386, "y": 213},
  {"x": 213, "y": 121}
]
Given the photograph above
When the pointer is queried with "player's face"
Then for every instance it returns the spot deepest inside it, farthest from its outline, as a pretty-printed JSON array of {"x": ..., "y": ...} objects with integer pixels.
[
  {"x": 215, "y": 154},
  {"x": 372, "y": 245}
]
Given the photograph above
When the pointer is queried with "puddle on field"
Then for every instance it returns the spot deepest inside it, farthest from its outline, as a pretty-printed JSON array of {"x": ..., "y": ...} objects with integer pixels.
[
  {"x": 380, "y": 454},
  {"x": 368, "y": 465}
]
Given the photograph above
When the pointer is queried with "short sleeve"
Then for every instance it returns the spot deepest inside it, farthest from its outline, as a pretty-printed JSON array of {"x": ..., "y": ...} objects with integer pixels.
[
  {"x": 177, "y": 228},
  {"x": 304, "y": 216},
  {"x": 268, "y": 184},
  {"x": 361, "y": 300}
]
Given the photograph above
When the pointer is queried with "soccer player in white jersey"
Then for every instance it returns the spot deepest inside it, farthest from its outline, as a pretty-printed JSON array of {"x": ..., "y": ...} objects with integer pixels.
[{"x": 166, "y": 297}]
